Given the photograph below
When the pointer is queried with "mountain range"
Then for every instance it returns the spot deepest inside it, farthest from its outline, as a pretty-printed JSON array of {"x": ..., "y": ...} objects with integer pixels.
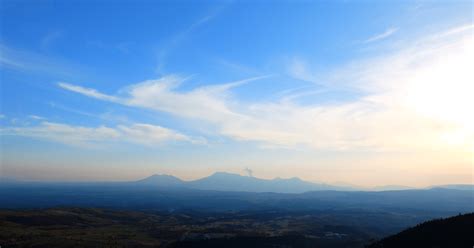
[
  {"x": 231, "y": 182},
  {"x": 223, "y": 181}
]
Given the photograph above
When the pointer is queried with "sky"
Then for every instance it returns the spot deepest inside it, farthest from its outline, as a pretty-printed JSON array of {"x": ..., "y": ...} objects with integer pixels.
[{"x": 355, "y": 92}]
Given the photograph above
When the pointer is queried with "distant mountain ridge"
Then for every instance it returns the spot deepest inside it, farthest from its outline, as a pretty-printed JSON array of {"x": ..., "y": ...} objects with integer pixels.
[
  {"x": 161, "y": 180},
  {"x": 224, "y": 181},
  {"x": 391, "y": 187},
  {"x": 456, "y": 186}
]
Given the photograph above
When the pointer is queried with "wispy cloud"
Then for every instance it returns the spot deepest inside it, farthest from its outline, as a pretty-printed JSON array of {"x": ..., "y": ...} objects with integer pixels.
[
  {"x": 180, "y": 36},
  {"x": 9, "y": 62},
  {"x": 454, "y": 31},
  {"x": 139, "y": 133},
  {"x": 201, "y": 103},
  {"x": 387, "y": 33},
  {"x": 400, "y": 107},
  {"x": 151, "y": 134},
  {"x": 50, "y": 38},
  {"x": 122, "y": 47},
  {"x": 299, "y": 70},
  {"x": 36, "y": 117},
  {"x": 88, "y": 92},
  {"x": 25, "y": 61}
]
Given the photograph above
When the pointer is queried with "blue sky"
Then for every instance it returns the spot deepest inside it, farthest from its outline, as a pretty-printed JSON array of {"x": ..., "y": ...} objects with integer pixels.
[{"x": 327, "y": 91}]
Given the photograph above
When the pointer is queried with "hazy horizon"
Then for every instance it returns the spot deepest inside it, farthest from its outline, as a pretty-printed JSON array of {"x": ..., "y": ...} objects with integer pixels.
[
  {"x": 364, "y": 94},
  {"x": 243, "y": 174}
]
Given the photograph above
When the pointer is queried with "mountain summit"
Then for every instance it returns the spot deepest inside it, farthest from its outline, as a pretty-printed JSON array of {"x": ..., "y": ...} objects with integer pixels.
[{"x": 161, "y": 180}]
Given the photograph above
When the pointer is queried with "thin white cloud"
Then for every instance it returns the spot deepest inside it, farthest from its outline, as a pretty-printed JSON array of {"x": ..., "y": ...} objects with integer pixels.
[
  {"x": 87, "y": 92},
  {"x": 150, "y": 134},
  {"x": 139, "y": 133},
  {"x": 36, "y": 117},
  {"x": 8, "y": 62},
  {"x": 400, "y": 107},
  {"x": 381, "y": 36},
  {"x": 179, "y": 37},
  {"x": 202, "y": 103},
  {"x": 67, "y": 134},
  {"x": 25, "y": 61},
  {"x": 122, "y": 47},
  {"x": 299, "y": 70},
  {"x": 50, "y": 38},
  {"x": 456, "y": 30}
]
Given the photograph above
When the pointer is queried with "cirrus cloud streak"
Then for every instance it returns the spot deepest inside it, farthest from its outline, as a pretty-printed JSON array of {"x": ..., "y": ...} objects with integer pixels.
[{"x": 139, "y": 133}]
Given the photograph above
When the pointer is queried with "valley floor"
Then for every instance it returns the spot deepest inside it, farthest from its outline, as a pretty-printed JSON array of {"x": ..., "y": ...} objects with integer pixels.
[
  {"x": 98, "y": 227},
  {"x": 93, "y": 227}
]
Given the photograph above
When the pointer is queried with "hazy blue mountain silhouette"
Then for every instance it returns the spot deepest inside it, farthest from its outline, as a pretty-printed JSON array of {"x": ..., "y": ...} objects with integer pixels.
[
  {"x": 223, "y": 181},
  {"x": 391, "y": 187},
  {"x": 161, "y": 180},
  {"x": 456, "y": 186}
]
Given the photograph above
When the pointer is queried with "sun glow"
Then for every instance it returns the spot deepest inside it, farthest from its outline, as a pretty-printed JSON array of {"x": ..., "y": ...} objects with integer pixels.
[{"x": 442, "y": 91}]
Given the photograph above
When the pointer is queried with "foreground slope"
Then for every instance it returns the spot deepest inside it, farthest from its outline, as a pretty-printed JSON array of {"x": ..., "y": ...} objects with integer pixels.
[{"x": 451, "y": 232}]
